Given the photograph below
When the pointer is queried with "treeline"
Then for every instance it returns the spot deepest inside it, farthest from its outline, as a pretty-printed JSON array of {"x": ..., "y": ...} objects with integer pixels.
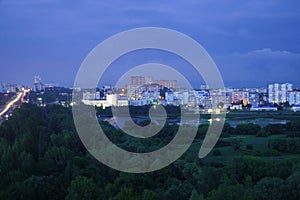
[
  {"x": 290, "y": 129},
  {"x": 42, "y": 157}
]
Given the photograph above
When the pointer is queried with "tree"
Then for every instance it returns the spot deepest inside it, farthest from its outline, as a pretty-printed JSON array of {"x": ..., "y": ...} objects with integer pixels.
[
  {"x": 257, "y": 169},
  {"x": 40, "y": 187},
  {"x": 125, "y": 193},
  {"x": 174, "y": 192},
  {"x": 149, "y": 195},
  {"x": 263, "y": 133},
  {"x": 247, "y": 129},
  {"x": 275, "y": 129},
  {"x": 227, "y": 130},
  {"x": 235, "y": 144},
  {"x": 293, "y": 145},
  {"x": 216, "y": 152},
  {"x": 210, "y": 179},
  {"x": 27, "y": 163},
  {"x": 202, "y": 130},
  {"x": 196, "y": 196},
  {"x": 278, "y": 144},
  {"x": 83, "y": 188},
  {"x": 228, "y": 191},
  {"x": 293, "y": 184},
  {"x": 271, "y": 189},
  {"x": 9, "y": 161},
  {"x": 293, "y": 125},
  {"x": 56, "y": 158}
]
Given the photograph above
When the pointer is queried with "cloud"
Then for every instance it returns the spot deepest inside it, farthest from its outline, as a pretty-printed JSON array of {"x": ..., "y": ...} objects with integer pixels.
[
  {"x": 267, "y": 52},
  {"x": 218, "y": 31},
  {"x": 260, "y": 66},
  {"x": 58, "y": 32}
]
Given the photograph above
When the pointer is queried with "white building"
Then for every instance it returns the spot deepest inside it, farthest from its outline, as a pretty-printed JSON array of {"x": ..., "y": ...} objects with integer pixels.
[
  {"x": 169, "y": 97},
  {"x": 97, "y": 95},
  {"x": 98, "y": 103},
  {"x": 149, "y": 80},
  {"x": 238, "y": 96},
  {"x": 278, "y": 93},
  {"x": 296, "y": 108},
  {"x": 182, "y": 97},
  {"x": 201, "y": 97},
  {"x": 88, "y": 95},
  {"x": 254, "y": 99},
  {"x": 266, "y": 108},
  {"x": 236, "y": 107},
  {"x": 112, "y": 99},
  {"x": 294, "y": 97}
]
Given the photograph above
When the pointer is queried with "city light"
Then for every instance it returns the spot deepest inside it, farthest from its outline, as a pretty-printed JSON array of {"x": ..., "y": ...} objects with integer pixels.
[{"x": 13, "y": 101}]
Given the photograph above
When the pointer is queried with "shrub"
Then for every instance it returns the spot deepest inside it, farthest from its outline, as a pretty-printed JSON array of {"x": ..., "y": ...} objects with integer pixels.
[
  {"x": 268, "y": 153},
  {"x": 278, "y": 144},
  {"x": 223, "y": 143},
  {"x": 288, "y": 146},
  {"x": 247, "y": 129},
  {"x": 263, "y": 133},
  {"x": 293, "y": 134},
  {"x": 249, "y": 147},
  {"x": 235, "y": 144},
  {"x": 216, "y": 152},
  {"x": 275, "y": 129}
]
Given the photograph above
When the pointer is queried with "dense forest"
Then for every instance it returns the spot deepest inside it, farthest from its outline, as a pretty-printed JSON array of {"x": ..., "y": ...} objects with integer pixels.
[{"x": 42, "y": 157}]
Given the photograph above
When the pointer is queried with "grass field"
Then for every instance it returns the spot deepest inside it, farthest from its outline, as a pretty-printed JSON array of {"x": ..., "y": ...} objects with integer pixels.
[{"x": 259, "y": 144}]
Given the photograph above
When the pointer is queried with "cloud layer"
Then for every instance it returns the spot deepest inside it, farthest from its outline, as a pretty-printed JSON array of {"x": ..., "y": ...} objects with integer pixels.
[{"x": 246, "y": 38}]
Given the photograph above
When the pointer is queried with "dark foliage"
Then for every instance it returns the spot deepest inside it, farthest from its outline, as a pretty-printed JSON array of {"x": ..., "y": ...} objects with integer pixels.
[{"x": 42, "y": 157}]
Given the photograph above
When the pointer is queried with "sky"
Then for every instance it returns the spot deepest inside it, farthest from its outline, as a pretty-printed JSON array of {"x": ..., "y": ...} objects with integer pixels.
[{"x": 252, "y": 42}]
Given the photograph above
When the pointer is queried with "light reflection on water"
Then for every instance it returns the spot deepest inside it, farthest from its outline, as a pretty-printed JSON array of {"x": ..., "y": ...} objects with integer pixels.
[{"x": 259, "y": 121}]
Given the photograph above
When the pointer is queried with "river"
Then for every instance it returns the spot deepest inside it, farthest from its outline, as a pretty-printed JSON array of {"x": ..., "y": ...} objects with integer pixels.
[{"x": 121, "y": 121}]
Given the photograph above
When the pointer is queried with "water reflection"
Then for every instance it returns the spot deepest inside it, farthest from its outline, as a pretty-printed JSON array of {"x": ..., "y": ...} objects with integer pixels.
[{"x": 259, "y": 121}]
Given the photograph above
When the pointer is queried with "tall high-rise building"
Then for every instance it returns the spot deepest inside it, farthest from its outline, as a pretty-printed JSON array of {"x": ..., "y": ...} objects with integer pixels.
[
  {"x": 204, "y": 87},
  {"x": 238, "y": 96},
  {"x": 254, "y": 99},
  {"x": 294, "y": 97},
  {"x": 278, "y": 93},
  {"x": 38, "y": 85},
  {"x": 171, "y": 84},
  {"x": 149, "y": 80},
  {"x": 169, "y": 97},
  {"x": 137, "y": 80}
]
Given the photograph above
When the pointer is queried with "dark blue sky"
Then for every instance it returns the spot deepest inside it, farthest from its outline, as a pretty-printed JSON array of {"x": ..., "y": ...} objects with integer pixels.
[{"x": 252, "y": 42}]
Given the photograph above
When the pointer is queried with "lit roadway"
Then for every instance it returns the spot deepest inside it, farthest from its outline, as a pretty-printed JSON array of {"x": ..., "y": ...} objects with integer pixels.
[{"x": 19, "y": 96}]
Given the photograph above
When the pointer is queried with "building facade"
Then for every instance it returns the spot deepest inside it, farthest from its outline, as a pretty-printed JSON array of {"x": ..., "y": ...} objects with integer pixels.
[
  {"x": 278, "y": 93},
  {"x": 294, "y": 97}
]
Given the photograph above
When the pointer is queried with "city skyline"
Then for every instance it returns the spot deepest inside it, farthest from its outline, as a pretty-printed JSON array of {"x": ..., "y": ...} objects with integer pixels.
[
  {"x": 142, "y": 91},
  {"x": 123, "y": 83},
  {"x": 131, "y": 99},
  {"x": 245, "y": 39}
]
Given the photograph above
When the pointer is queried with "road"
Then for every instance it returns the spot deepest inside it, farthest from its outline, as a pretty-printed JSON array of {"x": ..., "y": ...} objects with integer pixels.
[{"x": 10, "y": 103}]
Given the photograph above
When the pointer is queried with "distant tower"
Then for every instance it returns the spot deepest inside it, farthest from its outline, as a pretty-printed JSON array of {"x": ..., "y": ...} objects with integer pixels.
[
  {"x": 149, "y": 80},
  {"x": 137, "y": 80},
  {"x": 38, "y": 86}
]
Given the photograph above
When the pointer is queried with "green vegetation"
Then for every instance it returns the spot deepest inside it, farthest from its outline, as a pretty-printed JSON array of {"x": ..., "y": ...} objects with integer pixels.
[{"x": 42, "y": 157}]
